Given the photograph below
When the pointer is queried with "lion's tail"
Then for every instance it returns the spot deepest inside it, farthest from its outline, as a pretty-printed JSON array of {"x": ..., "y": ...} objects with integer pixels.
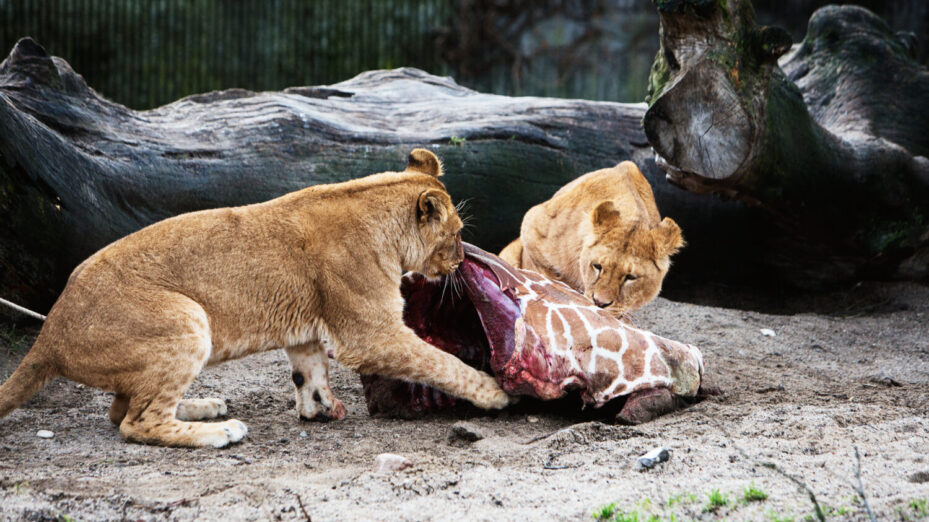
[{"x": 30, "y": 376}]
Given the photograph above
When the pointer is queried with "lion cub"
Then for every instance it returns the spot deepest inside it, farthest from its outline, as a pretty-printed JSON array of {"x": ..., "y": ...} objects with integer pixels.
[
  {"x": 314, "y": 269},
  {"x": 600, "y": 234}
]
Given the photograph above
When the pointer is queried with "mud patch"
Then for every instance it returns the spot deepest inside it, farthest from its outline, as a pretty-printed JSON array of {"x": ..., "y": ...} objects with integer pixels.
[{"x": 803, "y": 400}]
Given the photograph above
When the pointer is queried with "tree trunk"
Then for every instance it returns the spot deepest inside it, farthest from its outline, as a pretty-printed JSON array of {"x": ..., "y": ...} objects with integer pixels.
[
  {"x": 78, "y": 171},
  {"x": 831, "y": 141},
  {"x": 827, "y": 175}
]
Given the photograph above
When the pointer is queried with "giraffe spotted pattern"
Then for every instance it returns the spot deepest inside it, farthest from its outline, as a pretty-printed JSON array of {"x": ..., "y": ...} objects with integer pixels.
[
  {"x": 539, "y": 338},
  {"x": 563, "y": 341}
]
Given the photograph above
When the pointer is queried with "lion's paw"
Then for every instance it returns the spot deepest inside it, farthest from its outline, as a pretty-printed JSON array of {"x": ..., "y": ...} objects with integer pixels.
[
  {"x": 490, "y": 396},
  {"x": 228, "y": 432}
]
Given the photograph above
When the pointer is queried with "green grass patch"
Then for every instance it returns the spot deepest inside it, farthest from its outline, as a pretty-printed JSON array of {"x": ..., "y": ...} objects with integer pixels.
[
  {"x": 715, "y": 500},
  {"x": 754, "y": 494},
  {"x": 775, "y": 517},
  {"x": 605, "y": 512},
  {"x": 919, "y": 507},
  {"x": 681, "y": 499},
  {"x": 610, "y": 513}
]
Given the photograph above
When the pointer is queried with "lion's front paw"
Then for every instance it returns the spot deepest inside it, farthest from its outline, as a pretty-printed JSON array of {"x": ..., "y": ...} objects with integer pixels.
[{"x": 490, "y": 396}]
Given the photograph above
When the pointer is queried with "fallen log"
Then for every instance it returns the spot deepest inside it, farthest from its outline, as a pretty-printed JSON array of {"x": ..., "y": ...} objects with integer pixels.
[
  {"x": 831, "y": 139},
  {"x": 78, "y": 171},
  {"x": 824, "y": 161}
]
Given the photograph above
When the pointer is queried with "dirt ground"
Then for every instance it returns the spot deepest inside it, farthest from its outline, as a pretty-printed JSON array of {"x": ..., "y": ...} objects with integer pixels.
[{"x": 845, "y": 370}]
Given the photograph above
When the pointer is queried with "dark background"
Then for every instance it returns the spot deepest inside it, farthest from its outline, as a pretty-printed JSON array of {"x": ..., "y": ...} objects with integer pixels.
[{"x": 148, "y": 53}]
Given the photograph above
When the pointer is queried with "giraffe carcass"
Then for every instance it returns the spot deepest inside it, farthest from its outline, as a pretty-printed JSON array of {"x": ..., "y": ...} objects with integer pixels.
[{"x": 539, "y": 338}]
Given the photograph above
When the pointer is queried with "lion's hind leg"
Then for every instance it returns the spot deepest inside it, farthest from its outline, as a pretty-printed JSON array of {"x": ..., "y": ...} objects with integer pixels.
[
  {"x": 157, "y": 415},
  {"x": 153, "y": 421},
  {"x": 187, "y": 410},
  {"x": 170, "y": 352}
]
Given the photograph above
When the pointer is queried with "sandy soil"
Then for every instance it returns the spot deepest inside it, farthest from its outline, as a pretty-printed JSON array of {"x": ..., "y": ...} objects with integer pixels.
[{"x": 853, "y": 374}]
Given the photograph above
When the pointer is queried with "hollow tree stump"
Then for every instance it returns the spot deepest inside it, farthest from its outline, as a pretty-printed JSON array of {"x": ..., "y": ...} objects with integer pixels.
[{"x": 831, "y": 140}]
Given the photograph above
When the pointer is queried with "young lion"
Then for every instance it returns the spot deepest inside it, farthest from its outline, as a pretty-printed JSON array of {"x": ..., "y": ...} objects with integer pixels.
[
  {"x": 314, "y": 269},
  {"x": 600, "y": 234}
]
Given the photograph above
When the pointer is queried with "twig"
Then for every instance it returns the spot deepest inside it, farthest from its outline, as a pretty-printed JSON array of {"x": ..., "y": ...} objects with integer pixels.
[
  {"x": 860, "y": 488},
  {"x": 20, "y": 309},
  {"x": 770, "y": 465},
  {"x": 857, "y": 488},
  {"x": 800, "y": 484},
  {"x": 303, "y": 509},
  {"x": 537, "y": 438}
]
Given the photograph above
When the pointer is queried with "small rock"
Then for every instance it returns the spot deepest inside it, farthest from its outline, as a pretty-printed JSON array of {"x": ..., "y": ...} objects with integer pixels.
[
  {"x": 767, "y": 332},
  {"x": 884, "y": 378},
  {"x": 465, "y": 431},
  {"x": 532, "y": 420},
  {"x": 44, "y": 434},
  {"x": 769, "y": 389},
  {"x": 303, "y": 434},
  {"x": 652, "y": 458},
  {"x": 389, "y": 463}
]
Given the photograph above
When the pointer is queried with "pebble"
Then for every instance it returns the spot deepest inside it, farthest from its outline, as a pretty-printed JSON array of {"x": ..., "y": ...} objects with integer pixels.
[
  {"x": 652, "y": 458},
  {"x": 303, "y": 434},
  {"x": 44, "y": 434},
  {"x": 767, "y": 332},
  {"x": 465, "y": 431},
  {"x": 390, "y": 462},
  {"x": 884, "y": 378},
  {"x": 532, "y": 420}
]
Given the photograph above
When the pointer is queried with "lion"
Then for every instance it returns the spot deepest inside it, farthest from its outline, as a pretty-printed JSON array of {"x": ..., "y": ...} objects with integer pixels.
[
  {"x": 602, "y": 235},
  {"x": 314, "y": 270}
]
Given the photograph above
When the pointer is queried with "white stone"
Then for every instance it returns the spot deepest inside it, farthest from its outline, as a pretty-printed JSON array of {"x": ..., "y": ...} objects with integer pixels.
[
  {"x": 389, "y": 462},
  {"x": 767, "y": 332},
  {"x": 44, "y": 434},
  {"x": 652, "y": 458}
]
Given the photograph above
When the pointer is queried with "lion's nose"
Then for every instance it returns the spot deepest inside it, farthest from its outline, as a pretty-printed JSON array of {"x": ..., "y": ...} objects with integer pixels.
[{"x": 601, "y": 304}]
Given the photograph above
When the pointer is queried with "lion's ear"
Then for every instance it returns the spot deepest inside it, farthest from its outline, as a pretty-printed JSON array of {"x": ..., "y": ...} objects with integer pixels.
[
  {"x": 431, "y": 205},
  {"x": 424, "y": 162},
  {"x": 605, "y": 216},
  {"x": 668, "y": 238}
]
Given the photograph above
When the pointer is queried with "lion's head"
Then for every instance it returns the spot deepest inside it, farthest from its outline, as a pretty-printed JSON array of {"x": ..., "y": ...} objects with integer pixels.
[
  {"x": 623, "y": 264},
  {"x": 437, "y": 220}
]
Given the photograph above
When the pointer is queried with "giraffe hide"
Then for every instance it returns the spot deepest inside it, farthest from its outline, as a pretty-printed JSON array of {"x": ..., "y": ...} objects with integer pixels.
[{"x": 539, "y": 338}]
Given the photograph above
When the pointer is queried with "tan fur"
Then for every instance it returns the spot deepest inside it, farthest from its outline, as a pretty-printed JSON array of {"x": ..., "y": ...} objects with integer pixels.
[
  {"x": 605, "y": 218},
  {"x": 313, "y": 270}
]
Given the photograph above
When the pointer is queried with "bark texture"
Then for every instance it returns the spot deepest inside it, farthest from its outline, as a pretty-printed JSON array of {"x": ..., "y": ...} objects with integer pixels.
[
  {"x": 830, "y": 140},
  {"x": 78, "y": 171},
  {"x": 822, "y": 157}
]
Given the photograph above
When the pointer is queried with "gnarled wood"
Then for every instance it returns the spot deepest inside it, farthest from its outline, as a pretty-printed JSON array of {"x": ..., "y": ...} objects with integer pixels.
[
  {"x": 78, "y": 171},
  {"x": 831, "y": 140}
]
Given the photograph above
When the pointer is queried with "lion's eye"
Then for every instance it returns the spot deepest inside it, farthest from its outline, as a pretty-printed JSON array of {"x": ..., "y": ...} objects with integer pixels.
[
  {"x": 596, "y": 266},
  {"x": 631, "y": 277}
]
